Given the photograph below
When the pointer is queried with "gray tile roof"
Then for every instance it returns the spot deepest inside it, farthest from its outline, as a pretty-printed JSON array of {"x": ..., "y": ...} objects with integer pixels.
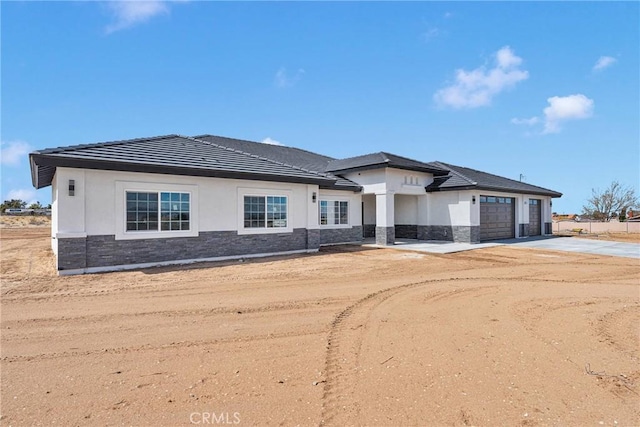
[
  {"x": 381, "y": 160},
  {"x": 170, "y": 154},
  {"x": 297, "y": 157},
  {"x": 466, "y": 178}
]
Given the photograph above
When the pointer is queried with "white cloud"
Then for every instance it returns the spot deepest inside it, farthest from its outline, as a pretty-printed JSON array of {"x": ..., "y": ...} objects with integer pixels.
[
  {"x": 604, "y": 62},
  {"x": 529, "y": 122},
  {"x": 430, "y": 34},
  {"x": 127, "y": 13},
  {"x": 563, "y": 108},
  {"x": 12, "y": 152},
  {"x": 283, "y": 79},
  {"x": 26, "y": 194},
  {"x": 270, "y": 141},
  {"x": 476, "y": 88}
]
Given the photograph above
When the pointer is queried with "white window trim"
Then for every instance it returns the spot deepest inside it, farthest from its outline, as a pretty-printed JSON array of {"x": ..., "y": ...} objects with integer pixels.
[
  {"x": 336, "y": 199},
  {"x": 263, "y": 192},
  {"x": 122, "y": 187}
]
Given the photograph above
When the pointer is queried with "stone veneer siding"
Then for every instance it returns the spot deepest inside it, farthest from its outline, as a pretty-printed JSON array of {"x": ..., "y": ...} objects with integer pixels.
[
  {"x": 406, "y": 231},
  {"x": 106, "y": 251},
  {"x": 385, "y": 235},
  {"x": 450, "y": 233},
  {"x": 340, "y": 235},
  {"x": 369, "y": 230}
]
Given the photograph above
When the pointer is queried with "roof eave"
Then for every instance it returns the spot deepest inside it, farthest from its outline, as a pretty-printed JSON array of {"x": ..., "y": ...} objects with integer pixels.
[
  {"x": 435, "y": 172},
  {"x": 39, "y": 160},
  {"x": 553, "y": 194}
]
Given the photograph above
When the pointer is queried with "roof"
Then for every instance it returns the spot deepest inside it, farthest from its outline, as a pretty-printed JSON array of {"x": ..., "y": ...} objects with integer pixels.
[
  {"x": 172, "y": 154},
  {"x": 383, "y": 159},
  {"x": 460, "y": 178},
  {"x": 306, "y": 160}
]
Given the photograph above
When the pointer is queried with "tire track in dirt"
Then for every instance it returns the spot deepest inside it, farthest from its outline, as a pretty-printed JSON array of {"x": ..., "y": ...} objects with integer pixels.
[
  {"x": 339, "y": 406},
  {"x": 149, "y": 347},
  {"x": 204, "y": 312},
  {"x": 344, "y": 346}
]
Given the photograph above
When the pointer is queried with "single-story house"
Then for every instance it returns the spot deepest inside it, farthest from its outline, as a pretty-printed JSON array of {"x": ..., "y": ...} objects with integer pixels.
[{"x": 176, "y": 199}]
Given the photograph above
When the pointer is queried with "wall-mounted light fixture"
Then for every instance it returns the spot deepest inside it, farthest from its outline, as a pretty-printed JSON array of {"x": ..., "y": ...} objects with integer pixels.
[
  {"x": 72, "y": 187},
  {"x": 525, "y": 201},
  {"x": 313, "y": 197},
  {"x": 550, "y": 202},
  {"x": 473, "y": 199}
]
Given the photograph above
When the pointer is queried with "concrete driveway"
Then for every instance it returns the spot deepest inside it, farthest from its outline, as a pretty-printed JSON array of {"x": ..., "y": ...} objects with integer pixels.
[
  {"x": 571, "y": 244},
  {"x": 568, "y": 244}
]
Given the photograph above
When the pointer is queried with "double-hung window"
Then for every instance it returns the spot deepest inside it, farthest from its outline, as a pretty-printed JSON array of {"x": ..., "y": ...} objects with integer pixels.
[
  {"x": 265, "y": 212},
  {"x": 158, "y": 211},
  {"x": 334, "y": 212}
]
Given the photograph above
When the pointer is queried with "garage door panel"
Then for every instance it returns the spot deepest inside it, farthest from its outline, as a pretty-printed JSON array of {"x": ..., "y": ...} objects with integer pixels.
[
  {"x": 535, "y": 226},
  {"x": 497, "y": 218}
]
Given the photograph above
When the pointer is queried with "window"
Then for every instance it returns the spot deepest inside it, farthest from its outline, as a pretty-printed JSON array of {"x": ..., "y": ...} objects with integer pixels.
[
  {"x": 265, "y": 211},
  {"x": 174, "y": 211},
  {"x": 143, "y": 211},
  {"x": 334, "y": 212},
  {"x": 533, "y": 201}
]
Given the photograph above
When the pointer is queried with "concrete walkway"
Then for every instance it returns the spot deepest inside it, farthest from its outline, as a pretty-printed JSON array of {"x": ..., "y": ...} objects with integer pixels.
[{"x": 568, "y": 244}]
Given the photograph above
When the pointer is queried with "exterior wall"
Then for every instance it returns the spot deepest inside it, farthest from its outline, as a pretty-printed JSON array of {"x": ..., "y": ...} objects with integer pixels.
[
  {"x": 94, "y": 218},
  {"x": 452, "y": 208},
  {"x": 105, "y": 251},
  {"x": 395, "y": 202},
  {"x": 397, "y": 181},
  {"x": 352, "y": 232},
  {"x": 332, "y": 236},
  {"x": 406, "y": 210},
  {"x": 369, "y": 215}
]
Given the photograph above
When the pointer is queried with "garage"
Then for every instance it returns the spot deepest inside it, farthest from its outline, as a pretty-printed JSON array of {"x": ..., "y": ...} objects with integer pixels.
[
  {"x": 497, "y": 218},
  {"x": 535, "y": 228}
]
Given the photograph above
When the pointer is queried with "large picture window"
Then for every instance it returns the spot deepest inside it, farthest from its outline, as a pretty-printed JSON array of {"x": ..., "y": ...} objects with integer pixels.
[
  {"x": 157, "y": 211},
  {"x": 265, "y": 212},
  {"x": 334, "y": 212}
]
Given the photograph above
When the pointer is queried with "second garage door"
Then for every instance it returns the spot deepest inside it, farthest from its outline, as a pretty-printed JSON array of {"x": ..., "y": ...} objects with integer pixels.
[
  {"x": 534, "y": 217},
  {"x": 497, "y": 218}
]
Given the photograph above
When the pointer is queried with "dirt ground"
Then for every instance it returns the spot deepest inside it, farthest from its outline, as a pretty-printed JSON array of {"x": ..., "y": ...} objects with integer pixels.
[{"x": 349, "y": 336}]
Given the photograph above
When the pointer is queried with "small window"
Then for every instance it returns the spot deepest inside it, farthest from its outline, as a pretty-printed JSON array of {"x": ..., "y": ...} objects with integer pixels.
[
  {"x": 491, "y": 199},
  {"x": 533, "y": 201},
  {"x": 334, "y": 212},
  {"x": 265, "y": 212},
  {"x": 145, "y": 213},
  {"x": 508, "y": 200},
  {"x": 483, "y": 199}
]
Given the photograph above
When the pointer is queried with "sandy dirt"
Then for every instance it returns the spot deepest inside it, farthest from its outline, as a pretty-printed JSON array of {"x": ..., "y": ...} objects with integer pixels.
[{"x": 349, "y": 336}]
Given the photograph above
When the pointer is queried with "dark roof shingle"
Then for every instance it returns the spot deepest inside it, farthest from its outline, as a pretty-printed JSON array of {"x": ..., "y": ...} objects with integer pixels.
[
  {"x": 306, "y": 160},
  {"x": 465, "y": 178},
  {"x": 170, "y": 154},
  {"x": 383, "y": 159}
]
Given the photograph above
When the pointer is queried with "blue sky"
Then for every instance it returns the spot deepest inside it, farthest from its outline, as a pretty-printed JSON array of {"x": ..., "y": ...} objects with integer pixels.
[{"x": 549, "y": 90}]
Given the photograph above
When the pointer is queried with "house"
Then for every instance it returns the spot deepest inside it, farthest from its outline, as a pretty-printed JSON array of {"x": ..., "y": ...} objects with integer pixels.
[{"x": 176, "y": 199}]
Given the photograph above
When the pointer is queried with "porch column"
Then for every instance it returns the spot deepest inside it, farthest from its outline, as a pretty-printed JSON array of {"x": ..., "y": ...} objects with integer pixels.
[{"x": 385, "y": 221}]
